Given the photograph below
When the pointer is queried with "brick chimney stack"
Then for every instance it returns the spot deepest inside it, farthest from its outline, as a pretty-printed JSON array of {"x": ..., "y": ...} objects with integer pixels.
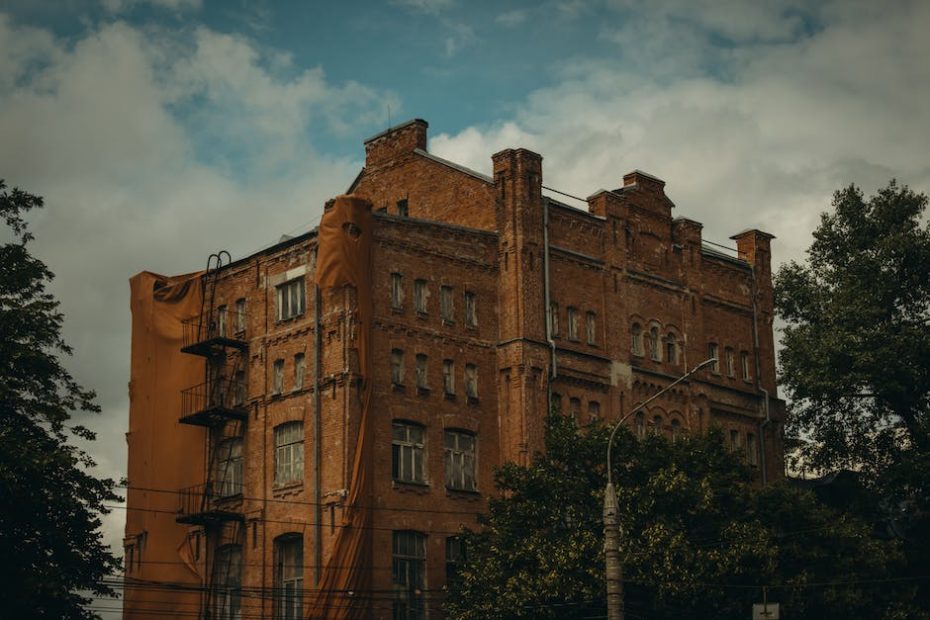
[{"x": 395, "y": 142}]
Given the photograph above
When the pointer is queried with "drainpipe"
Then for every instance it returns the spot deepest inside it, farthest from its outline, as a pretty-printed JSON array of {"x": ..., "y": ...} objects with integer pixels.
[
  {"x": 765, "y": 394},
  {"x": 553, "y": 367},
  {"x": 317, "y": 434}
]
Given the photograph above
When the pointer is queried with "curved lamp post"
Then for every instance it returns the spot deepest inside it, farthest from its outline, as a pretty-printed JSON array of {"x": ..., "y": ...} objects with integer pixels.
[{"x": 611, "y": 524}]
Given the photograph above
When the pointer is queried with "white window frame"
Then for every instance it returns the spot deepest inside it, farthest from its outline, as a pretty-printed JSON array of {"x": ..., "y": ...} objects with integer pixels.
[
  {"x": 713, "y": 352},
  {"x": 300, "y": 369},
  {"x": 460, "y": 449},
  {"x": 288, "y": 453},
  {"x": 291, "y": 299},
  {"x": 221, "y": 323},
  {"x": 448, "y": 377},
  {"x": 422, "y": 370},
  {"x": 397, "y": 367},
  {"x": 554, "y": 319},
  {"x": 408, "y": 452},
  {"x": 471, "y": 381},
  {"x": 240, "y": 315},
  {"x": 277, "y": 377},
  {"x": 744, "y": 362}
]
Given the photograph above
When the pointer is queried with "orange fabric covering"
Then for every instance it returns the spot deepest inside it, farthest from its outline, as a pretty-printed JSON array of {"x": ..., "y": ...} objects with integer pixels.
[
  {"x": 164, "y": 455},
  {"x": 344, "y": 259}
]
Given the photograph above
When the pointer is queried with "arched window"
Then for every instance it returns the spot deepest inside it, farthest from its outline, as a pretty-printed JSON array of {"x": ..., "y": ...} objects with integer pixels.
[
  {"x": 671, "y": 349},
  {"x": 653, "y": 344},
  {"x": 637, "y": 334},
  {"x": 656, "y": 426},
  {"x": 640, "y": 425},
  {"x": 227, "y": 579},
  {"x": 288, "y": 576},
  {"x": 676, "y": 429}
]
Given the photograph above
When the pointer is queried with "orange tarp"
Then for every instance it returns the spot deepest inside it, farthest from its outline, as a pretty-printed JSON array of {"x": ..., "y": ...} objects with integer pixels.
[
  {"x": 164, "y": 455},
  {"x": 344, "y": 259}
]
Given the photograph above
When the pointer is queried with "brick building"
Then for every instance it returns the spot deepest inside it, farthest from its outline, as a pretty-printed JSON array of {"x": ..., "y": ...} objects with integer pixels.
[{"x": 488, "y": 303}]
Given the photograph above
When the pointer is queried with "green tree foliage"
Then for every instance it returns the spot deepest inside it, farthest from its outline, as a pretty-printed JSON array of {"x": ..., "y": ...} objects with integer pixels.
[
  {"x": 52, "y": 554},
  {"x": 856, "y": 357},
  {"x": 698, "y": 539}
]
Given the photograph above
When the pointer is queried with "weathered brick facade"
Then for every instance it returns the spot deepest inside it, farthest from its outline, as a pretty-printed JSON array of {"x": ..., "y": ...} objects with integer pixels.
[{"x": 623, "y": 267}]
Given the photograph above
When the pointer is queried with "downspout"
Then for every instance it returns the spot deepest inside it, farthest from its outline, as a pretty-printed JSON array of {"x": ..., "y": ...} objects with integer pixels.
[
  {"x": 553, "y": 367},
  {"x": 317, "y": 434},
  {"x": 765, "y": 394}
]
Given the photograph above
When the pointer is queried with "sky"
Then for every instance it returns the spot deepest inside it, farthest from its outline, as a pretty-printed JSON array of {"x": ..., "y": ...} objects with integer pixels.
[{"x": 160, "y": 131}]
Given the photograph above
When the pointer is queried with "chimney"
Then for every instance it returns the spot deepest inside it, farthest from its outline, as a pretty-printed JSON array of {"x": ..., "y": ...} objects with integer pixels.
[
  {"x": 395, "y": 142},
  {"x": 644, "y": 181}
]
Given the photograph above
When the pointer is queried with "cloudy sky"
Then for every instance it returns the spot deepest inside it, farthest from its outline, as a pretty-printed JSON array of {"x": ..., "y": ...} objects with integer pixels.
[{"x": 160, "y": 131}]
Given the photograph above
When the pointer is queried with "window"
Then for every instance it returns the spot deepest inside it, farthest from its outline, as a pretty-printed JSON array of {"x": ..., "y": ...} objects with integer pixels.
[
  {"x": 460, "y": 460},
  {"x": 744, "y": 363},
  {"x": 397, "y": 291},
  {"x": 299, "y": 371},
  {"x": 556, "y": 402},
  {"x": 229, "y": 467},
  {"x": 636, "y": 332},
  {"x": 455, "y": 556},
  {"x": 221, "y": 321},
  {"x": 240, "y": 315},
  {"x": 288, "y": 453},
  {"x": 735, "y": 440},
  {"x": 239, "y": 388},
  {"x": 227, "y": 580},
  {"x": 713, "y": 353},
  {"x": 471, "y": 309},
  {"x": 288, "y": 577},
  {"x": 408, "y": 572},
  {"x": 594, "y": 411},
  {"x": 422, "y": 383},
  {"x": 407, "y": 453},
  {"x": 591, "y": 327},
  {"x": 676, "y": 429},
  {"x": 653, "y": 344},
  {"x": 640, "y": 425},
  {"x": 574, "y": 409},
  {"x": 397, "y": 367},
  {"x": 471, "y": 381},
  {"x": 277, "y": 378},
  {"x": 572, "y": 323},
  {"x": 446, "y": 305},
  {"x": 420, "y": 295},
  {"x": 402, "y": 209},
  {"x": 554, "y": 318},
  {"x": 448, "y": 377},
  {"x": 731, "y": 362},
  {"x": 671, "y": 349},
  {"x": 292, "y": 299},
  {"x": 752, "y": 450},
  {"x": 656, "y": 426}
]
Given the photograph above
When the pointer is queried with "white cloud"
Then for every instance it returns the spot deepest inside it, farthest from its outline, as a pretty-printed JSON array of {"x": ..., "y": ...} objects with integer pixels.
[
  {"x": 511, "y": 18},
  {"x": 94, "y": 126},
  {"x": 459, "y": 36},
  {"x": 431, "y": 7},
  {"x": 751, "y": 135},
  {"x": 119, "y": 6}
]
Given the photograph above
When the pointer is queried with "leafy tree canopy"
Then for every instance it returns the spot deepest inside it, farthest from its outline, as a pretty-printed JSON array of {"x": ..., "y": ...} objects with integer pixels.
[
  {"x": 50, "y": 505},
  {"x": 699, "y": 540},
  {"x": 856, "y": 357}
]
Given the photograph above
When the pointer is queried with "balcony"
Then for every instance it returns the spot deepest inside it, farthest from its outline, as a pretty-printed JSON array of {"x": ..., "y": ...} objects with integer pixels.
[
  {"x": 213, "y": 403},
  {"x": 210, "y": 504},
  {"x": 209, "y": 340}
]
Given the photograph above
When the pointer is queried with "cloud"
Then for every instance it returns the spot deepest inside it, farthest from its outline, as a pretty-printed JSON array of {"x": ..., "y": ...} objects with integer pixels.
[
  {"x": 430, "y": 7},
  {"x": 511, "y": 18},
  {"x": 755, "y": 134},
  {"x": 120, "y": 6},
  {"x": 459, "y": 36},
  {"x": 117, "y": 130}
]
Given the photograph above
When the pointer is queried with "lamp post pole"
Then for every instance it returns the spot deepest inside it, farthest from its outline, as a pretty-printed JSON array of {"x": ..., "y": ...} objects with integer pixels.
[{"x": 611, "y": 519}]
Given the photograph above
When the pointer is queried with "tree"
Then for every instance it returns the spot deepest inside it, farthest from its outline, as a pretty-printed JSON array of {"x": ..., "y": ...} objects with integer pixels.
[
  {"x": 50, "y": 504},
  {"x": 856, "y": 356},
  {"x": 699, "y": 539}
]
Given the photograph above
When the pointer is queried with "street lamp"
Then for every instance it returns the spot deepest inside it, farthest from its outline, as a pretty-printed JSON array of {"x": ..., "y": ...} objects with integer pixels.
[{"x": 611, "y": 525}]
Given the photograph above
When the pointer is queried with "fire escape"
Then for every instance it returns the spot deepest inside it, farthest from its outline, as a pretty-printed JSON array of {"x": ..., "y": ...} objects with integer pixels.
[{"x": 218, "y": 404}]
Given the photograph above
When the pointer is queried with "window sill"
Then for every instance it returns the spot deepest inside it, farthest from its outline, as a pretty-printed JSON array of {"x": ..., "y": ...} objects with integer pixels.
[
  {"x": 473, "y": 400},
  {"x": 422, "y": 391},
  {"x": 463, "y": 494},
  {"x": 399, "y": 388},
  {"x": 397, "y": 309},
  {"x": 288, "y": 319},
  {"x": 448, "y": 322},
  {"x": 422, "y": 314},
  {"x": 420, "y": 488},
  {"x": 449, "y": 396},
  {"x": 287, "y": 488}
]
